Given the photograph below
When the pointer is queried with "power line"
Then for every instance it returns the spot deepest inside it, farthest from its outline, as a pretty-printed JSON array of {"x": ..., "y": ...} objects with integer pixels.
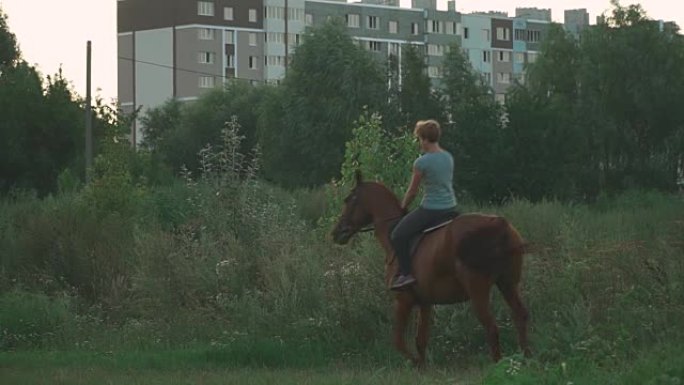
[{"x": 184, "y": 69}]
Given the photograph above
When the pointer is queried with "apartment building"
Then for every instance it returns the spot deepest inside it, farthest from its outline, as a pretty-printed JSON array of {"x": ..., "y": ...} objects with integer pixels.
[
  {"x": 543, "y": 14},
  {"x": 180, "y": 48},
  {"x": 575, "y": 21}
]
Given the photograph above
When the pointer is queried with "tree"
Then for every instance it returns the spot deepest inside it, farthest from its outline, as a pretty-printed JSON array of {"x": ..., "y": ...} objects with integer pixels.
[
  {"x": 9, "y": 52},
  {"x": 417, "y": 98},
  {"x": 548, "y": 148},
  {"x": 42, "y": 127},
  {"x": 328, "y": 83},
  {"x": 632, "y": 79},
  {"x": 473, "y": 131},
  {"x": 178, "y": 132}
]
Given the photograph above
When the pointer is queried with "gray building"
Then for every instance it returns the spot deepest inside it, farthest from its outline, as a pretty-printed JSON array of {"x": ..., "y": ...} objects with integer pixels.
[
  {"x": 576, "y": 20},
  {"x": 180, "y": 48},
  {"x": 542, "y": 14}
]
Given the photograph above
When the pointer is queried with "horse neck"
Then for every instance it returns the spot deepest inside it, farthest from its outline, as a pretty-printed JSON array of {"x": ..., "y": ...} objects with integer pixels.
[{"x": 385, "y": 209}]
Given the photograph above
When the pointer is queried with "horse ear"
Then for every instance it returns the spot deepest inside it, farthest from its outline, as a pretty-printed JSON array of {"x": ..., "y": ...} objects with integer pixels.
[{"x": 358, "y": 177}]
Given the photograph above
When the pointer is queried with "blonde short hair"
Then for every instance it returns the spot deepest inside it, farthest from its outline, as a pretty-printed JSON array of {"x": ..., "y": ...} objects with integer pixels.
[{"x": 428, "y": 130}]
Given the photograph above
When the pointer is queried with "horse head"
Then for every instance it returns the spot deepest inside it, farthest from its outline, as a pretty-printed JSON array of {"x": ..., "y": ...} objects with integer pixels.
[{"x": 355, "y": 214}]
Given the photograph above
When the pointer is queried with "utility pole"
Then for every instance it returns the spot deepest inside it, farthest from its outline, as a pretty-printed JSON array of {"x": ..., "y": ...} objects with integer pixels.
[
  {"x": 88, "y": 118},
  {"x": 287, "y": 37}
]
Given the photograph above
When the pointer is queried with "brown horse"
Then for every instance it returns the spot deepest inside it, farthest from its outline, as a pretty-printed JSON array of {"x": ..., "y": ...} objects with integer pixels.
[{"x": 455, "y": 263}]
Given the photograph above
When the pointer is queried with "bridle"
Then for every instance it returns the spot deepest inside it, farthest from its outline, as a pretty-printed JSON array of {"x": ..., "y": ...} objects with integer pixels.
[{"x": 353, "y": 199}]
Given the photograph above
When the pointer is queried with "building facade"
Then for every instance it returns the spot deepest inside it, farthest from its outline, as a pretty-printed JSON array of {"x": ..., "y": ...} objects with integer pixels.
[
  {"x": 575, "y": 21},
  {"x": 180, "y": 48}
]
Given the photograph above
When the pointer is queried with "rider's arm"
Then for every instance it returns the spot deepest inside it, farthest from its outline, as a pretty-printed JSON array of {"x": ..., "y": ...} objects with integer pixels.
[{"x": 412, "y": 190}]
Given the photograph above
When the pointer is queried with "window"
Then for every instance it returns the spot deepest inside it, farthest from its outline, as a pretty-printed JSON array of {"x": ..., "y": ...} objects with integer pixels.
[
  {"x": 487, "y": 78},
  {"x": 353, "y": 20},
  {"x": 435, "y": 50},
  {"x": 274, "y": 61},
  {"x": 466, "y": 33},
  {"x": 487, "y": 56},
  {"x": 205, "y": 8},
  {"x": 228, "y": 13},
  {"x": 414, "y": 28},
  {"x": 519, "y": 57},
  {"x": 531, "y": 57},
  {"x": 533, "y": 36},
  {"x": 206, "y": 57},
  {"x": 308, "y": 19},
  {"x": 485, "y": 35},
  {"x": 393, "y": 27},
  {"x": 277, "y": 13},
  {"x": 294, "y": 39},
  {"x": 500, "y": 98},
  {"x": 231, "y": 61},
  {"x": 228, "y": 35},
  {"x": 275, "y": 37},
  {"x": 434, "y": 26},
  {"x": 520, "y": 34},
  {"x": 373, "y": 22},
  {"x": 206, "y": 82},
  {"x": 252, "y": 15},
  {"x": 434, "y": 72},
  {"x": 503, "y": 33},
  {"x": 205, "y": 34},
  {"x": 504, "y": 56},
  {"x": 394, "y": 49},
  {"x": 374, "y": 46},
  {"x": 253, "y": 63},
  {"x": 451, "y": 28},
  {"x": 252, "y": 39},
  {"x": 296, "y": 14},
  {"x": 503, "y": 77}
]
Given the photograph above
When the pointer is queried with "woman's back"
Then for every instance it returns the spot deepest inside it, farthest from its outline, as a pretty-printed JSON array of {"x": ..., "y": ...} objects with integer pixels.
[{"x": 437, "y": 169}]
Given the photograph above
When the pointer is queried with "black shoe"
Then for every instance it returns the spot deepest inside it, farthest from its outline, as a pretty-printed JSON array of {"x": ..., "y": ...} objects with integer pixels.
[{"x": 402, "y": 282}]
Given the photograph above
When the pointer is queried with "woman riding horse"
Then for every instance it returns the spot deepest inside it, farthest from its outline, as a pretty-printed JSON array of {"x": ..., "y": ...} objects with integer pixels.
[
  {"x": 435, "y": 170},
  {"x": 456, "y": 263}
]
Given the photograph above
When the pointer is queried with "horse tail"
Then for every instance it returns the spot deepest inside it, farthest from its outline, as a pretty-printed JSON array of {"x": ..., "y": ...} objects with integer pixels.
[{"x": 493, "y": 249}]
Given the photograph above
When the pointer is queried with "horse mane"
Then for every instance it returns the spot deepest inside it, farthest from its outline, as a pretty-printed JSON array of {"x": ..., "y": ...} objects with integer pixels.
[{"x": 384, "y": 192}]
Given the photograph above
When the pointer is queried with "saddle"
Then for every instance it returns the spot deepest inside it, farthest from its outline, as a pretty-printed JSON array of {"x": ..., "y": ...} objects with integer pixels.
[{"x": 439, "y": 222}]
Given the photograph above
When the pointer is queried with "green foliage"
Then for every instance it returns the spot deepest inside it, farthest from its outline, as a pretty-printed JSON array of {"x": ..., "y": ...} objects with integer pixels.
[
  {"x": 9, "y": 52},
  {"x": 473, "y": 133},
  {"x": 417, "y": 99},
  {"x": 28, "y": 319},
  {"x": 548, "y": 150},
  {"x": 379, "y": 156},
  {"x": 599, "y": 115},
  {"x": 329, "y": 82},
  {"x": 177, "y": 132}
]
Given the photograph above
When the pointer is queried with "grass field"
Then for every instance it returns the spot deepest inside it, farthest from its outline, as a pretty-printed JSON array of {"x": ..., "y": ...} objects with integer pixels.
[{"x": 190, "y": 295}]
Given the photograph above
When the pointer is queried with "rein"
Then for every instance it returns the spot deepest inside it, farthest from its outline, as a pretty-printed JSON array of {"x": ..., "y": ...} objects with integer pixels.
[{"x": 372, "y": 227}]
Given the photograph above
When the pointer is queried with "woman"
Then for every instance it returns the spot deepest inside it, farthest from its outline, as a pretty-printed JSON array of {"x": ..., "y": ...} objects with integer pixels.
[{"x": 435, "y": 170}]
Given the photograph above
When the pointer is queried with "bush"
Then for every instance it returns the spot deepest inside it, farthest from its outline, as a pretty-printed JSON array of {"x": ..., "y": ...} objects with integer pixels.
[{"x": 32, "y": 319}]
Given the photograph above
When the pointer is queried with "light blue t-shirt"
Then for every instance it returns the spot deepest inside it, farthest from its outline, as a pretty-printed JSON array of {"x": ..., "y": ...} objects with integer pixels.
[{"x": 437, "y": 169}]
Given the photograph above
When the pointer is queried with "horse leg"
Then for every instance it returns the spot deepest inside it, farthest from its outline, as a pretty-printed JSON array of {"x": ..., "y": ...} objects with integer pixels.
[
  {"x": 402, "y": 312},
  {"x": 479, "y": 296},
  {"x": 424, "y": 318},
  {"x": 511, "y": 294}
]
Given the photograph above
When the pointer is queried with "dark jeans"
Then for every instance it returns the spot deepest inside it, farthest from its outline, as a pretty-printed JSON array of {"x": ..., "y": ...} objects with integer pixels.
[{"x": 411, "y": 225}]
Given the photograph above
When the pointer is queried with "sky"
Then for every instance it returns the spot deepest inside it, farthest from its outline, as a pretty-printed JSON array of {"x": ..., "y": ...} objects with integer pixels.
[{"x": 54, "y": 33}]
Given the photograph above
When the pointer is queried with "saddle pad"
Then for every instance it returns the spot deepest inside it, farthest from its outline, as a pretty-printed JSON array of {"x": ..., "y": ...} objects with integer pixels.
[{"x": 435, "y": 227}]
